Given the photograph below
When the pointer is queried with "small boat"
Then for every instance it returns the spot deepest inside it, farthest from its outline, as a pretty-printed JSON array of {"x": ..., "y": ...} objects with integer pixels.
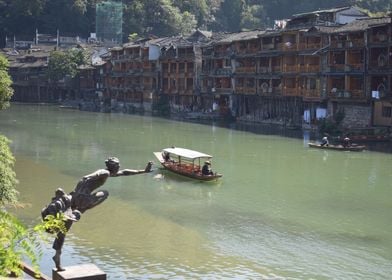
[
  {"x": 353, "y": 147},
  {"x": 366, "y": 135},
  {"x": 185, "y": 162}
]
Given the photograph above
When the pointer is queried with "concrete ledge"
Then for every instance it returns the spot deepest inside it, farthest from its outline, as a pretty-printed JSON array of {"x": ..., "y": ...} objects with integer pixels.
[{"x": 79, "y": 272}]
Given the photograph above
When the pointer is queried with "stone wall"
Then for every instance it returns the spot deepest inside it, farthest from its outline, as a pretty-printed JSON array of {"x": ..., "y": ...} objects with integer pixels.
[{"x": 356, "y": 116}]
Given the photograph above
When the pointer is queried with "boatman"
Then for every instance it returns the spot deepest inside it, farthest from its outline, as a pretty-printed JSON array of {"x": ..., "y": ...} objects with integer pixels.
[
  {"x": 206, "y": 168},
  {"x": 324, "y": 141},
  {"x": 84, "y": 197},
  {"x": 346, "y": 142}
]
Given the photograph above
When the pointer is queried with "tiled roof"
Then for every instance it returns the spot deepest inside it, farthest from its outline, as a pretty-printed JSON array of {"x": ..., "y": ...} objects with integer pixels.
[
  {"x": 333, "y": 10},
  {"x": 240, "y": 36},
  {"x": 36, "y": 64},
  {"x": 363, "y": 24}
]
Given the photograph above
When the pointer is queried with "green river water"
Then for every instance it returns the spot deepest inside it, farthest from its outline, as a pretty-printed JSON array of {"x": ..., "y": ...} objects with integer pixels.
[{"x": 281, "y": 210}]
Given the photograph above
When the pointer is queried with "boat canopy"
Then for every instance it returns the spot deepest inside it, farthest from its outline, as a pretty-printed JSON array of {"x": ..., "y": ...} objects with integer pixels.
[{"x": 182, "y": 152}]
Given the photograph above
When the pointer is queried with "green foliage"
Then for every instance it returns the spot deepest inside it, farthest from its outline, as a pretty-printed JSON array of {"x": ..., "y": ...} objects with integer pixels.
[
  {"x": 132, "y": 37},
  {"x": 253, "y": 17},
  {"x": 8, "y": 193},
  {"x": 162, "y": 17},
  {"x": 52, "y": 224},
  {"x": 5, "y": 84},
  {"x": 62, "y": 64},
  {"x": 16, "y": 241},
  {"x": 331, "y": 126},
  {"x": 162, "y": 106},
  {"x": 229, "y": 15}
]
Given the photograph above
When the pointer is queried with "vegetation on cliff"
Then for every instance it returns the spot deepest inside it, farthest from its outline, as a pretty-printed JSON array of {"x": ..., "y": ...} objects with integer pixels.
[{"x": 160, "y": 17}]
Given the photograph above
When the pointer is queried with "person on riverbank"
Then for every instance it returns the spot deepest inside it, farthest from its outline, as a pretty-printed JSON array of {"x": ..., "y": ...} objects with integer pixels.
[{"x": 84, "y": 197}]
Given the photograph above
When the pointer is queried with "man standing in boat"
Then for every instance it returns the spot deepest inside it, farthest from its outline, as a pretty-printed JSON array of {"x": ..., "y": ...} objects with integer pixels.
[
  {"x": 84, "y": 197},
  {"x": 324, "y": 141}
]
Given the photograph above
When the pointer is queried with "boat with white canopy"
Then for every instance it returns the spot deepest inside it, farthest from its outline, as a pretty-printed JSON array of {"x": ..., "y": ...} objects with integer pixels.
[{"x": 186, "y": 162}]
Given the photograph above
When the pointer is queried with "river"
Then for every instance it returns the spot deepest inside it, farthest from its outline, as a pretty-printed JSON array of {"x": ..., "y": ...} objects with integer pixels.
[{"x": 281, "y": 210}]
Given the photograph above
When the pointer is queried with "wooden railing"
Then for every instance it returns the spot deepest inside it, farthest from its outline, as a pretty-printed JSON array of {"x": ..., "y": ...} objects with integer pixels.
[
  {"x": 311, "y": 93},
  {"x": 290, "y": 92},
  {"x": 246, "y": 69},
  {"x": 245, "y": 90},
  {"x": 290, "y": 68},
  {"x": 352, "y": 94},
  {"x": 309, "y": 46}
]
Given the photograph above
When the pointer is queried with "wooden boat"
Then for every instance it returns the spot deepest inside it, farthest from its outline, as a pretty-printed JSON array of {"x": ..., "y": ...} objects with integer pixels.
[
  {"x": 353, "y": 148},
  {"x": 186, "y": 162},
  {"x": 362, "y": 135}
]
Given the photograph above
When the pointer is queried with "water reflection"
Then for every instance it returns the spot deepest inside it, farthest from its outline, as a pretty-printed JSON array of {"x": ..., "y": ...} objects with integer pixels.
[{"x": 281, "y": 211}]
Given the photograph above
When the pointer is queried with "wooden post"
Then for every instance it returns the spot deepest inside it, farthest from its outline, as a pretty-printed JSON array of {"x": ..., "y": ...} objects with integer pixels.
[{"x": 79, "y": 272}]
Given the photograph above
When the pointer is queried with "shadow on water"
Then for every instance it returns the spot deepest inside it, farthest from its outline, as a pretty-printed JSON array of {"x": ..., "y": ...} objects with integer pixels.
[{"x": 297, "y": 133}]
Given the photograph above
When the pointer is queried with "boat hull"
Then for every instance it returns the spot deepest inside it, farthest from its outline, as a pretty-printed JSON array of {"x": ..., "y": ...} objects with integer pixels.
[
  {"x": 337, "y": 147},
  {"x": 187, "y": 170}
]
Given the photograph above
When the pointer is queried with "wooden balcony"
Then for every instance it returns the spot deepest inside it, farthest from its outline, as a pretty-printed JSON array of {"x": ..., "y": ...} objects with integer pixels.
[
  {"x": 288, "y": 46},
  {"x": 336, "y": 68},
  {"x": 225, "y": 53},
  {"x": 221, "y": 90},
  {"x": 355, "y": 43},
  {"x": 311, "y": 93},
  {"x": 290, "y": 68},
  {"x": 264, "y": 69},
  {"x": 245, "y": 90},
  {"x": 276, "y": 69},
  {"x": 186, "y": 55},
  {"x": 223, "y": 71},
  {"x": 357, "y": 94},
  {"x": 187, "y": 92},
  {"x": 354, "y": 67},
  {"x": 246, "y": 69},
  {"x": 272, "y": 91},
  {"x": 309, "y": 68},
  {"x": 350, "y": 94},
  {"x": 269, "y": 47},
  {"x": 290, "y": 92},
  {"x": 337, "y": 44}
]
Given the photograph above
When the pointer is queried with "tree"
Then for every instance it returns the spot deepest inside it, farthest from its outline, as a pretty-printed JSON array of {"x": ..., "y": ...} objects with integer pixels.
[
  {"x": 229, "y": 15},
  {"x": 5, "y": 83},
  {"x": 62, "y": 64},
  {"x": 253, "y": 17},
  {"x": 16, "y": 240}
]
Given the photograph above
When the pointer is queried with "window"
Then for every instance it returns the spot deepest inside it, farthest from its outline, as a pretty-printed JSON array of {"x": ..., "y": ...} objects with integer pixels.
[{"x": 386, "y": 111}]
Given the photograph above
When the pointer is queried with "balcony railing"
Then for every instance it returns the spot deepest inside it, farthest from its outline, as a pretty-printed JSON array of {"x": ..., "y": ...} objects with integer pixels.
[
  {"x": 309, "y": 46},
  {"x": 223, "y": 71},
  {"x": 290, "y": 92},
  {"x": 246, "y": 69},
  {"x": 354, "y": 67},
  {"x": 290, "y": 68},
  {"x": 352, "y": 94},
  {"x": 245, "y": 90},
  {"x": 264, "y": 69},
  {"x": 336, "y": 68},
  {"x": 311, "y": 93},
  {"x": 355, "y": 43}
]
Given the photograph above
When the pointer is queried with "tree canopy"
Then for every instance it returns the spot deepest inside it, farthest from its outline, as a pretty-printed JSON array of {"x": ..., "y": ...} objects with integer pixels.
[
  {"x": 160, "y": 17},
  {"x": 65, "y": 63}
]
